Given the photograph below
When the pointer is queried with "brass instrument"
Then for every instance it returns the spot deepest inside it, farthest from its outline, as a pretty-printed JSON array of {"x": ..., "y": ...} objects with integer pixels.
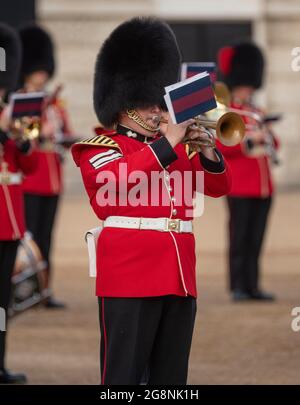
[
  {"x": 229, "y": 128},
  {"x": 26, "y": 109},
  {"x": 223, "y": 104},
  {"x": 29, "y": 128},
  {"x": 228, "y": 125},
  {"x": 223, "y": 99},
  {"x": 222, "y": 93},
  {"x": 23, "y": 128},
  {"x": 26, "y": 128}
]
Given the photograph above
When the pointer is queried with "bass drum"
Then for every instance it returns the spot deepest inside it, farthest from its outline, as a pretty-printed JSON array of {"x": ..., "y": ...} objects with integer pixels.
[{"x": 29, "y": 280}]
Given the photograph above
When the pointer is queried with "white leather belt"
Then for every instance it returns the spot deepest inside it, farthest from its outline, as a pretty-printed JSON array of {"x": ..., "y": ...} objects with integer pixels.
[
  {"x": 10, "y": 178},
  {"x": 91, "y": 237},
  {"x": 155, "y": 224}
]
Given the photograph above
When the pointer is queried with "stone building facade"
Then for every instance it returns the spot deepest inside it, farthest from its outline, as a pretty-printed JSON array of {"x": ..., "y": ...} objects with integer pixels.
[{"x": 79, "y": 27}]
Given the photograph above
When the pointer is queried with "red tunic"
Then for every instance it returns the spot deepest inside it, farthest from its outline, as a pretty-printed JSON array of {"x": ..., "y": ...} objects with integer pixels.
[
  {"x": 251, "y": 176},
  {"x": 142, "y": 263},
  {"x": 47, "y": 180},
  {"x": 12, "y": 222}
]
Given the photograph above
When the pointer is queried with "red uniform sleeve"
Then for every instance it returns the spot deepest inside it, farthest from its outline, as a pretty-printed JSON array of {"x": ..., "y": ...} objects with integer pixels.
[
  {"x": 232, "y": 152},
  {"x": 217, "y": 176},
  {"x": 96, "y": 162}
]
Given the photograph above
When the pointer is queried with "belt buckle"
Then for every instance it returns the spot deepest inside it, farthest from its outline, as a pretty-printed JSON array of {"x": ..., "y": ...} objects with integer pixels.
[
  {"x": 5, "y": 178},
  {"x": 5, "y": 175},
  {"x": 173, "y": 225}
]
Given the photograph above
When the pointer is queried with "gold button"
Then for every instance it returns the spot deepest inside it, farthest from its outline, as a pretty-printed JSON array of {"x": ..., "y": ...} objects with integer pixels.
[
  {"x": 173, "y": 199},
  {"x": 174, "y": 212}
]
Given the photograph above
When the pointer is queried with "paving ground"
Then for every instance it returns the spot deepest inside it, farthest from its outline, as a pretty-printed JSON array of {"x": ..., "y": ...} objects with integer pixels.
[{"x": 233, "y": 344}]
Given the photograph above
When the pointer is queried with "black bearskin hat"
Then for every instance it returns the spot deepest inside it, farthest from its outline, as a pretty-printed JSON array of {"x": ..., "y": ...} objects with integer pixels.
[
  {"x": 135, "y": 63},
  {"x": 38, "y": 50},
  {"x": 10, "y": 43},
  {"x": 241, "y": 65}
]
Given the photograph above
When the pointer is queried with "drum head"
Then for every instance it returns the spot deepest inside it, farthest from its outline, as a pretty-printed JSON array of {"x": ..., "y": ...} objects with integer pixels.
[{"x": 29, "y": 281}]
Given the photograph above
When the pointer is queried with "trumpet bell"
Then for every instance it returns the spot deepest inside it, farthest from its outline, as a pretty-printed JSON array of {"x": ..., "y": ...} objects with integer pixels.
[
  {"x": 229, "y": 126},
  {"x": 222, "y": 93},
  {"x": 230, "y": 129},
  {"x": 26, "y": 128},
  {"x": 223, "y": 99},
  {"x": 32, "y": 131}
]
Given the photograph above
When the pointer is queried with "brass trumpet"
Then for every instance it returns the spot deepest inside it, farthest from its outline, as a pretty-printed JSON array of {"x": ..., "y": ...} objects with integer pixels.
[
  {"x": 223, "y": 98},
  {"x": 31, "y": 126},
  {"x": 223, "y": 101},
  {"x": 22, "y": 128},
  {"x": 26, "y": 128},
  {"x": 229, "y": 128}
]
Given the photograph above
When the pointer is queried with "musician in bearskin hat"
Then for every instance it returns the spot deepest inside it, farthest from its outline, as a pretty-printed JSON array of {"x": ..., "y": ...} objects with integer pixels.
[
  {"x": 44, "y": 187},
  {"x": 16, "y": 159},
  {"x": 249, "y": 201},
  {"x": 145, "y": 256}
]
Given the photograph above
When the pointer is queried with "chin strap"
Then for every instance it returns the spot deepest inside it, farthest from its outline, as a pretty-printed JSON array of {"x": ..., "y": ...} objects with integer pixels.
[
  {"x": 132, "y": 114},
  {"x": 2, "y": 104}
]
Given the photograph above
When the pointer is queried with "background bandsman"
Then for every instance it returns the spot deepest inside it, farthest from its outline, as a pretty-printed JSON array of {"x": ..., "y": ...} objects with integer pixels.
[
  {"x": 16, "y": 159},
  {"x": 250, "y": 198},
  {"x": 44, "y": 187}
]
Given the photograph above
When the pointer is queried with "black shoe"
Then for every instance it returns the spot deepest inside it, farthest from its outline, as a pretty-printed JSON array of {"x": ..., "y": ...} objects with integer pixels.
[
  {"x": 239, "y": 295},
  {"x": 52, "y": 303},
  {"x": 262, "y": 296},
  {"x": 9, "y": 378}
]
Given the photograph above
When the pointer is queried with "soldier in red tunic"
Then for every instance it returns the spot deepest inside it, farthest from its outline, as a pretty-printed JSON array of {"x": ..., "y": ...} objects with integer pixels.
[
  {"x": 250, "y": 198},
  {"x": 16, "y": 159},
  {"x": 146, "y": 284},
  {"x": 43, "y": 188}
]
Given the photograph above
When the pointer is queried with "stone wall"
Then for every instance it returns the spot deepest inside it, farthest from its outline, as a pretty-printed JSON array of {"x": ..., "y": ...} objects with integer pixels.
[{"x": 283, "y": 84}]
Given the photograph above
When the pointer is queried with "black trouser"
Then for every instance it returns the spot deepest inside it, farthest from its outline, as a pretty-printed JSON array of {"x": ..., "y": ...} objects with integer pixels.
[
  {"x": 247, "y": 225},
  {"x": 152, "y": 333},
  {"x": 8, "y": 252},
  {"x": 40, "y": 214}
]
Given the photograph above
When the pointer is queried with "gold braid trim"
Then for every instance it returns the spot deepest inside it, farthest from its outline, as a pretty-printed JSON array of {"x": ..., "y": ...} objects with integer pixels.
[
  {"x": 100, "y": 140},
  {"x": 132, "y": 114}
]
